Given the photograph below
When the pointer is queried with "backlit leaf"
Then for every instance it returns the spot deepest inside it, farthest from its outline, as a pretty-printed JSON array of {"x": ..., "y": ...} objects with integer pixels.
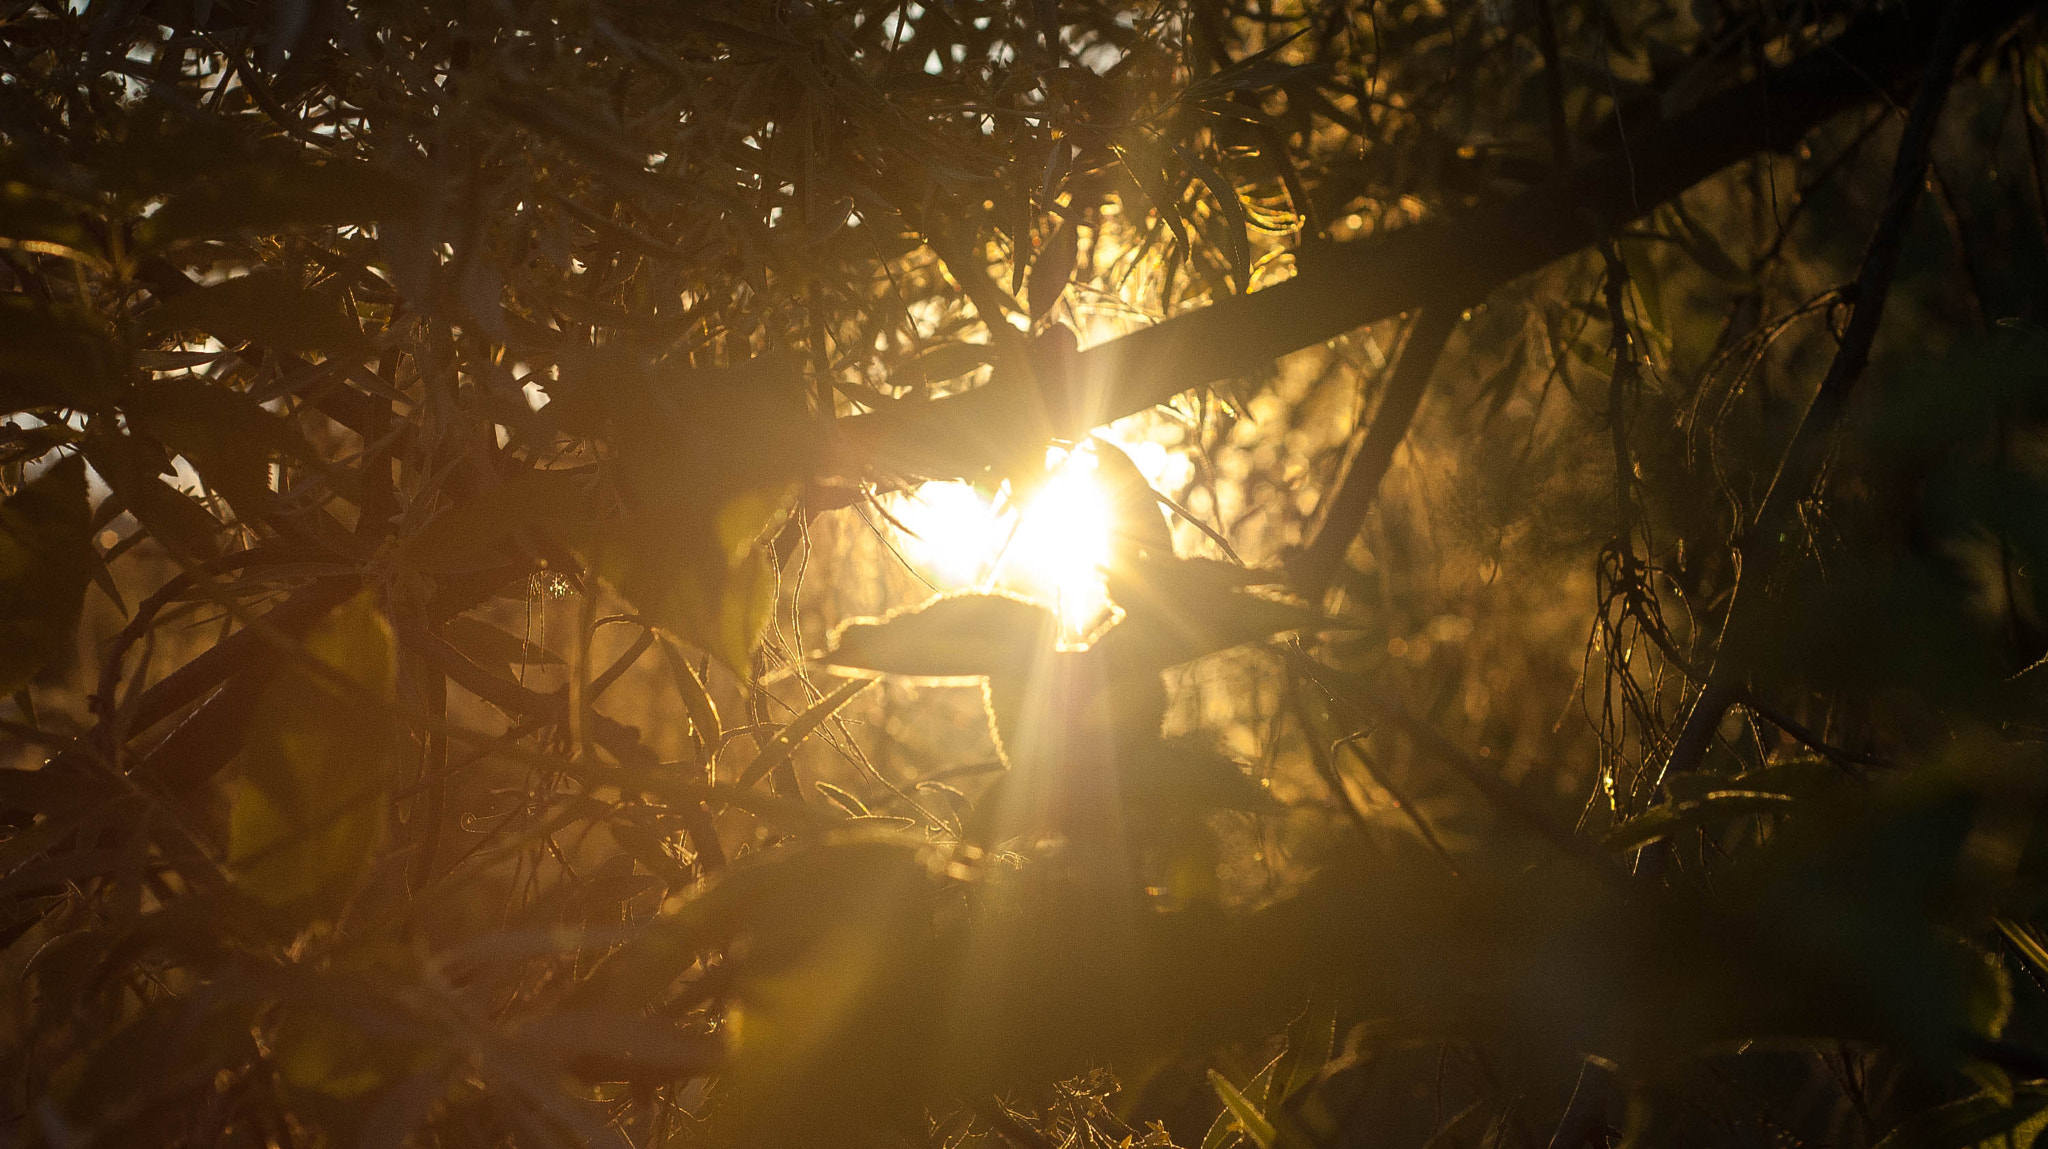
[
  {"x": 1248, "y": 1117},
  {"x": 1235, "y": 223},
  {"x": 787, "y": 739},
  {"x": 1673, "y": 817},
  {"x": 710, "y": 583},
  {"x": 310, "y": 807},
  {"x": 952, "y": 636},
  {"x": 492, "y": 646}
]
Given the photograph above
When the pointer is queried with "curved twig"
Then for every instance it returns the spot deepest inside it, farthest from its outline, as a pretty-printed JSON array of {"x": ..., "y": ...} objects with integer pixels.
[{"x": 1768, "y": 543}]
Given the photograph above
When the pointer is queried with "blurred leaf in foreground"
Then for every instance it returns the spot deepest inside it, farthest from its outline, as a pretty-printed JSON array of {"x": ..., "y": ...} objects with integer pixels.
[
  {"x": 45, "y": 530},
  {"x": 315, "y": 770}
]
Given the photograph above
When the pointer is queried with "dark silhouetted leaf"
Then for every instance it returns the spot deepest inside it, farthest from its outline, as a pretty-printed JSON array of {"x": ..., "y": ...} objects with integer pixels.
[
  {"x": 1985, "y": 1119},
  {"x": 1261, "y": 69},
  {"x": 1137, "y": 520},
  {"x": 480, "y": 532},
  {"x": 263, "y": 308},
  {"x": 53, "y": 356},
  {"x": 491, "y": 646},
  {"x": 942, "y": 362},
  {"x": 228, "y": 438},
  {"x": 45, "y": 541},
  {"x": 275, "y": 197},
  {"x": 173, "y": 518},
  {"x": 1178, "y": 610},
  {"x": 1154, "y": 185},
  {"x": 1053, "y": 268},
  {"x": 1235, "y": 224}
]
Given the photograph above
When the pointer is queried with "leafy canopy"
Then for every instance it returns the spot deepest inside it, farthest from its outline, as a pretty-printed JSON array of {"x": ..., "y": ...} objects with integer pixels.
[{"x": 1561, "y": 663}]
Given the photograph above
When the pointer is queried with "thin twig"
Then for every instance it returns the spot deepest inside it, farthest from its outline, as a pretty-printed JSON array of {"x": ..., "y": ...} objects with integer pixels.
[{"x": 1776, "y": 521}]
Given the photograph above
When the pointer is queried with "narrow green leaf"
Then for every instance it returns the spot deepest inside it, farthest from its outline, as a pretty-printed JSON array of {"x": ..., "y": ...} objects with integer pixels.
[
  {"x": 1975, "y": 1120},
  {"x": 1236, "y": 225},
  {"x": 1310, "y": 1041},
  {"x": 1053, "y": 269},
  {"x": 1153, "y": 185},
  {"x": 1223, "y": 1132},
  {"x": 704, "y": 723},
  {"x": 843, "y": 799},
  {"x": 1672, "y": 817},
  {"x": 1247, "y": 1116},
  {"x": 790, "y": 737}
]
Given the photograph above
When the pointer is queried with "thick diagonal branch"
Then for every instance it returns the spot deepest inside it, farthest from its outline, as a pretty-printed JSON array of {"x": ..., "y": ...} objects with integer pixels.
[
  {"x": 1773, "y": 533},
  {"x": 1463, "y": 255},
  {"x": 1344, "y": 511}
]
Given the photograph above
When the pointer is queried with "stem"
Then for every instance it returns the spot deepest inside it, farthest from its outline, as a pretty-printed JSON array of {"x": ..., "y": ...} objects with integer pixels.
[
  {"x": 433, "y": 774},
  {"x": 1345, "y": 511}
]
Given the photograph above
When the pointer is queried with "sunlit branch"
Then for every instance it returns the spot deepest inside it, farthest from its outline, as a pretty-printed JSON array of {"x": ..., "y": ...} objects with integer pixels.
[
  {"x": 1348, "y": 504},
  {"x": 1461, "y": 256}
]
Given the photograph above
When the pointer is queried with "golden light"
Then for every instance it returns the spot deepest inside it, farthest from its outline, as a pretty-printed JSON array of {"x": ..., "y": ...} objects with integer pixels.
[
  {"x": 1053, "y": 548},
  {"x": 951, "y": 532},
  {"x": 1062, "y": 541}
]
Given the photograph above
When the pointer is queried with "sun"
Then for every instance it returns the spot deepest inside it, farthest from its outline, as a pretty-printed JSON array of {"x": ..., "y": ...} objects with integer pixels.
[{"x": 1051, "y": 544}]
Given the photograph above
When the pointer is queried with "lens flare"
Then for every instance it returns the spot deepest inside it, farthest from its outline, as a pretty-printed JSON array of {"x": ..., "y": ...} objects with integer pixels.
[
  {"x": 1062, "y": 541},
  {"x": 951, "y": 532},
  {"x": 1052, "y": 548}
]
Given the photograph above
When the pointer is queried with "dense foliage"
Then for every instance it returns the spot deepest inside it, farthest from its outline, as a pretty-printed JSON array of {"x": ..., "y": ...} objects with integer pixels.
[{"x": 1559, "y": 665}]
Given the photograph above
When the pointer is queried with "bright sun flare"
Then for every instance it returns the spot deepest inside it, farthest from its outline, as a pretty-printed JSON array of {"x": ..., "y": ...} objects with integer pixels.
[{"x": 1053, "y": 548}]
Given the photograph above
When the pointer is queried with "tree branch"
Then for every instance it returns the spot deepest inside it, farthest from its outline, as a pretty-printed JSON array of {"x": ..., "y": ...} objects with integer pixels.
[
  {"x": 1462, "y": 255},
  {"x": 1345, "y": 509}
]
